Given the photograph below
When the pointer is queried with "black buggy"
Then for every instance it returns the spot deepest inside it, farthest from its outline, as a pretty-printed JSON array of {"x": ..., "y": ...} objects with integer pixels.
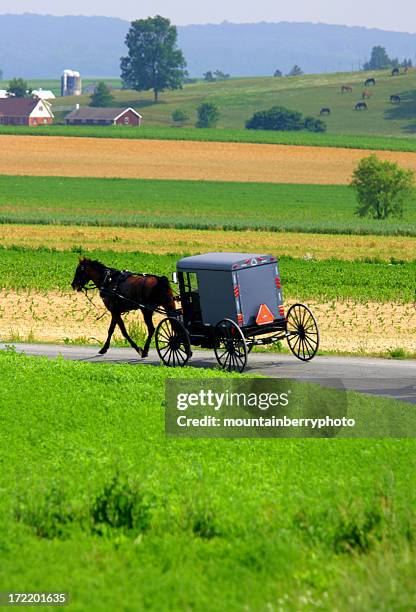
[{"x": 231, "y": 302}]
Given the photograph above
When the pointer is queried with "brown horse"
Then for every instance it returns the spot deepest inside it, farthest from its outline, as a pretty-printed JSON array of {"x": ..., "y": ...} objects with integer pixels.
[
  {"x": 122, "y": 291},
  {"x": 366, "y": 95},
  {"x": 346, "y": 89}
]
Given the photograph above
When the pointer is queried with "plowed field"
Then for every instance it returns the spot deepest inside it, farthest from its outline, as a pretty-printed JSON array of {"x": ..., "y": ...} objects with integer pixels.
[{"x": 157, "y": 159}]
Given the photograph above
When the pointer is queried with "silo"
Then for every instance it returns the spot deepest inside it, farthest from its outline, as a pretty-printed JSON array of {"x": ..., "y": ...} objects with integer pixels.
[{"x": 70, "y": 83}]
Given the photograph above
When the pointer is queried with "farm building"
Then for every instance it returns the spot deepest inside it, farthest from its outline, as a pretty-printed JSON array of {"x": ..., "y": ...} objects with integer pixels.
[
  {"x": 25, "y": 111},
  {"x": 43, "y": 94},
  {"x": 103, "y": 116}
]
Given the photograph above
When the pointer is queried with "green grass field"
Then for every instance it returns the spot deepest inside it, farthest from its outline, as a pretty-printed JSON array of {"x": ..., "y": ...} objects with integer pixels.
[
  {"x": 328, "y": 279},
  {"x": 375, "y": 143},
  {"x": 97, "y": 502},
  {"x": 238, "y": 99},
  {"x": 190, "y": 204}
]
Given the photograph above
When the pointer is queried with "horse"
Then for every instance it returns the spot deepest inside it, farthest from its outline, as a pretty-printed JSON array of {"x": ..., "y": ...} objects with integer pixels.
[
  {"x": 123, "y": 291},
  {"x": 366, "y": 95},
  {"x": 325, "y": 111},
  {"x": 346, "y": 89},
  {"x": 361, "y": 106},
  {"x": 369, "y": 81},
  {"x": 395, "y": 72},
  {"x": 395, "y": 99}
]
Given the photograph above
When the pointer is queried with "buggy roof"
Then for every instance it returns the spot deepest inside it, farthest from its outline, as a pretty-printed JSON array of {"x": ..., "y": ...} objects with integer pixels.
[{"x": 223, "y": 261}]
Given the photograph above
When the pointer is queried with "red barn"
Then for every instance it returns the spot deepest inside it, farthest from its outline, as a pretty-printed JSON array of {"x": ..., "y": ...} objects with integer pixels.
[
  {"x": 25, "y": 111},
  {"x": 103, "y": 116}
]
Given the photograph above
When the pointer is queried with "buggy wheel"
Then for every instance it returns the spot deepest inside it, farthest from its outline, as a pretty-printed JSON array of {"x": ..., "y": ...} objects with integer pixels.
[
  {"x": 230, "y": 346},
  {"x": 172, "y": 342},
  {"x": 302, "y": 332}
]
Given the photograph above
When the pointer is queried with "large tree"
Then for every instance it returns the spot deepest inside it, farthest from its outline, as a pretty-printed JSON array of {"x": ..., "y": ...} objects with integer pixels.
[
  {"x": 381, "y": 187},
  {"x": 378, "y": 60},
  {"x": 154, "y": 60}
]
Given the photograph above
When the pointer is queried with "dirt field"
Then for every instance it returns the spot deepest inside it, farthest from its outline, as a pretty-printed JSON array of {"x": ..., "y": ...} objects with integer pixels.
[
  {"x": 68, "y": 317},
  {"x": 160, "y": 241},
  {"x": 65, "y": 156}
]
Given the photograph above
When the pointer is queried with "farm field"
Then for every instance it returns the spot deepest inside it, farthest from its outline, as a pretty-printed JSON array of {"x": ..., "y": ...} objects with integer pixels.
[
  {"x": 162, "y": 241},
  {"x": 154, "y": 159},
  {"x": 332, "y": 279},
  {"x": 346, "y": 326},
  {"x": 347, "y": 141},
  {"x": 191, "y": 205},
  {"x": 355, "y": 302},
  {"x": 238, "y": 99},
  {"x": 237, "y": 523}
]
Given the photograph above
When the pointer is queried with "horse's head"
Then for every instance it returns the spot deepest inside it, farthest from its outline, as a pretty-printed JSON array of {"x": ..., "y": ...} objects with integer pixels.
[{"x": 82, "y": 275}]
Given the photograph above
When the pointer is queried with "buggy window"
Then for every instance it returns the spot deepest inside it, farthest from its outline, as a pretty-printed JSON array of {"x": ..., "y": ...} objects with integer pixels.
[{"x": 190, "y": 297}]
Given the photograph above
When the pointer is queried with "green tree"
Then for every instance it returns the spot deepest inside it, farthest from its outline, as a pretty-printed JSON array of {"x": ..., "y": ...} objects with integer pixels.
[
  {"x": 278, "y": 73},
  {"x": 179, "y": 117},
  {"x": 378, "y": 60},
  {"x": 208, "y": 115},
  {"x": 19, "y": 88},
  {"x": 314, "y": 125},
  {"x": 1, "y": 74},
  {"x": 102, "y": 96},
  {"x": 284, "y": 119},
  {"x": 154, "y": 61},
  {"x": 381, "y": 188},
  {"x": 295, "y": 71},
  {"x": 208, "y": 76},
  {"x": 221, "y": 76},
  {"x": 276, "y": 118}
]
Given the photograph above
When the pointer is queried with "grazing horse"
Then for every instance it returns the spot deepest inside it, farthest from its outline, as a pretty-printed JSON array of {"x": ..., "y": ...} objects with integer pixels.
[
  {"x": 395, "y": 72},
  {"x": 369, "y": 81},
  {"x": 346, "y": 89},
  {"x": 395, "y": 99},
  {"x": 361, "y": 106},
  {"x": 325, "y": 111},
  {"x": 366, "y": 95},
  {"x": 122, "y": 291}
]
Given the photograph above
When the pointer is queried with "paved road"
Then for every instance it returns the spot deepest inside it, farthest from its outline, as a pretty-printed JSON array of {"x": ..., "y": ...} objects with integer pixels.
[{"x": 389, "y": 378}]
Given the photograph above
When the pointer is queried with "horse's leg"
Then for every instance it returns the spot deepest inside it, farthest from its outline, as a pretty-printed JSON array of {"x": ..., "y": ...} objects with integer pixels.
[
  {"x": 148, "y": 319},
  {"x": 110, "y": 333},
  {"x": 123, "y": 330}
]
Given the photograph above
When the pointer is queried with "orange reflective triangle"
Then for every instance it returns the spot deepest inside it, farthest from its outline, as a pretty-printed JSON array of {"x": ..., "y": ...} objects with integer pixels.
[{"x": 264, "y": 315}]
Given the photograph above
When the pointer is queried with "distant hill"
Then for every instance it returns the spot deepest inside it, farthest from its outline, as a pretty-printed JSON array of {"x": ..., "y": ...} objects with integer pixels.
[{"x": 37, "y": 46}]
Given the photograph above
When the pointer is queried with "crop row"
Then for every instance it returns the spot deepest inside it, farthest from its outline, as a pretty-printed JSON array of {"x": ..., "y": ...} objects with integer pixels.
[
  {"x": 191, "y": 205},
  {"x": 325, "y": 280},
  {"x": 381, "y": 143}
]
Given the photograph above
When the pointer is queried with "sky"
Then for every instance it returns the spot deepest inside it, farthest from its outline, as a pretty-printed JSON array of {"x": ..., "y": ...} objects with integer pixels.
[{"x": 399, "y": 15}]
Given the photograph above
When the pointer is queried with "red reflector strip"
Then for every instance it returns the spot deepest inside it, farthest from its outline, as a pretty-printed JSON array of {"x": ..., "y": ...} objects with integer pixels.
[
  {"x": 281, "y": 311},
  {"x": 236, "y": 291},
  {"x": 277, "y": 280},
  {"x": 240, "y": 319}
]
